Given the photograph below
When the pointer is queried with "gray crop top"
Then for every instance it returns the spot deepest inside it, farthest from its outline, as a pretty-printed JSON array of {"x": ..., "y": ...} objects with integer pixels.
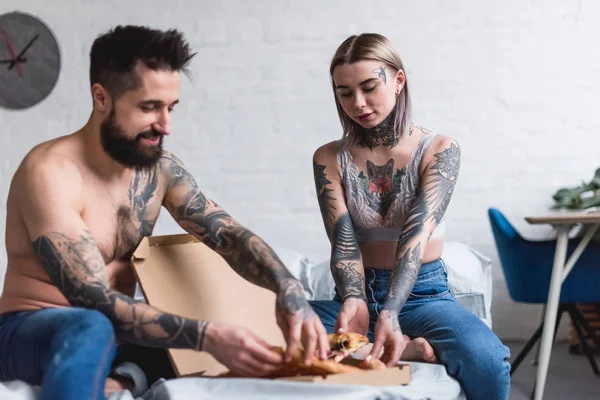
[{"x": 367, "y": 222}]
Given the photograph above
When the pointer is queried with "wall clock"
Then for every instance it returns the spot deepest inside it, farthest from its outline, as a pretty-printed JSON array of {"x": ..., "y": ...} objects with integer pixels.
[{"x": 29, "y": 60}]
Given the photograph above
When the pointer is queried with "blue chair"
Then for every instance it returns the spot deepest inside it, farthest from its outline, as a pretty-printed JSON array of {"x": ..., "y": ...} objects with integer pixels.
[{"x": 527, "y": 267}]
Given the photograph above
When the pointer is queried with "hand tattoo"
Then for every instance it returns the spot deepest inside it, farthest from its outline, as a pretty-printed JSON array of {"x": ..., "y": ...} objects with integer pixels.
[
  {"x": 394, "y": 321},
  {"x": 291, "y": 298}
]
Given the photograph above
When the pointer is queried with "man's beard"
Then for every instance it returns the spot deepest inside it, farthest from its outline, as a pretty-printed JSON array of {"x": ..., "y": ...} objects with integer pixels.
[{"x": 129, "y": 152}]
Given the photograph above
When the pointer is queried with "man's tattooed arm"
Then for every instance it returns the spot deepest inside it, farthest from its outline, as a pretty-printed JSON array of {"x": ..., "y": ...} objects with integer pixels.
[
  {"x": 243, "y": 250},
  {"x": 75, "y": 265},
  {"x": 437, "y": 186},
  {"x": 48, "y": 196},
  {"x": 346, "y": 262}
]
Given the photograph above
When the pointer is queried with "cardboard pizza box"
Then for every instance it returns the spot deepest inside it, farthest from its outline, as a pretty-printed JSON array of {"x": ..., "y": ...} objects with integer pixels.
[{"x": 180, "y": 275}]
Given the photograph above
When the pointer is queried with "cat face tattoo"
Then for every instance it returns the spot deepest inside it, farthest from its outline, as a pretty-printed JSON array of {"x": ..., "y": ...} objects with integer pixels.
[
  {"x": 380, "y": 177},
  {"x": 381, "y": 183}
]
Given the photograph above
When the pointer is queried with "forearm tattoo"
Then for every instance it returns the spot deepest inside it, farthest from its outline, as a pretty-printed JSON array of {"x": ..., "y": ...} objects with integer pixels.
[
  {"x": 346, "y": 266},
  {"x": 244, "y": 251},
  {"x": 349, "y": 281},
  {"x": 430, "y": 205},
  {"x": 403, "y": 279},
  {"x": 76, "y": 267},
  {"x": 345, "y": 246}
]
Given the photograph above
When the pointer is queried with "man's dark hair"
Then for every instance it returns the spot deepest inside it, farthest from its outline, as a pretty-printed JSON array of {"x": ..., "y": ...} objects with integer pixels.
[{"x": 115, "y": 54}]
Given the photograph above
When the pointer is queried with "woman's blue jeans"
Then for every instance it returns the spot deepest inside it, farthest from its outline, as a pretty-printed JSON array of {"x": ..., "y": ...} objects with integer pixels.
[{"x": 462, "y": 342}]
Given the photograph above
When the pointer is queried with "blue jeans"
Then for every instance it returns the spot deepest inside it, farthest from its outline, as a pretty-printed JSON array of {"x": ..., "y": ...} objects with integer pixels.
[
  {"x": 464, "y": 344},
  {"x": 69, "y": 352}
]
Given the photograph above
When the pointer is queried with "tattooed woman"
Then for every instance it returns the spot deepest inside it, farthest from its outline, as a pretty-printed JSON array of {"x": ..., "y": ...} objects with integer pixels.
[
  {"x": 383, "y": 190},
  {"x": 77, "y": 208}
]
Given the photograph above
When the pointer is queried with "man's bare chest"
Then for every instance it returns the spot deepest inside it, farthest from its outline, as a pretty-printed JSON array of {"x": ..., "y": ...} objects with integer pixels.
[{"x": 119, "y": 217}]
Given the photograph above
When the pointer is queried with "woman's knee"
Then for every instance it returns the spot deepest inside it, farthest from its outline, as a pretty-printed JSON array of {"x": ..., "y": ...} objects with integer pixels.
[
  {"x": 491, "y": 357},
  {"x": 483, "y": 355},
  {"x": 479, "y": 361}
]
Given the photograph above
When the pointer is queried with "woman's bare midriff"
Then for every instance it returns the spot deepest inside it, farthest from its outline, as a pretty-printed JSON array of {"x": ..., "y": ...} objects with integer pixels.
[{"x": 382, "y": 255}]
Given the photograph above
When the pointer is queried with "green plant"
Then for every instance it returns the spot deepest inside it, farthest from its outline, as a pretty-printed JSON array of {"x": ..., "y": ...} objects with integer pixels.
[{"x": 581, "y": 197}]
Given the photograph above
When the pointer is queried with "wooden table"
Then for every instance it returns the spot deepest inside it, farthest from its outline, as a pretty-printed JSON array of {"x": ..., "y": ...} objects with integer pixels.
[{"x": 563, "y": 222}]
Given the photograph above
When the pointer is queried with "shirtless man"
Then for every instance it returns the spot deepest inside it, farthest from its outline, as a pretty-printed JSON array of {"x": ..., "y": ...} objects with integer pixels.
[{"x": 79, "y": 205}]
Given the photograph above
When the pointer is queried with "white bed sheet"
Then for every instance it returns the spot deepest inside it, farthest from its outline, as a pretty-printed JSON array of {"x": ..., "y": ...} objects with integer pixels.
[{"x": 429, "y": 382}]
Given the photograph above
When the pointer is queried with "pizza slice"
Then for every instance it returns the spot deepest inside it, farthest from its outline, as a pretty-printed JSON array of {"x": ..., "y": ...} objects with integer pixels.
[
  {"x": 344, "y": 344},
  {"x": 338, "y": 361}
]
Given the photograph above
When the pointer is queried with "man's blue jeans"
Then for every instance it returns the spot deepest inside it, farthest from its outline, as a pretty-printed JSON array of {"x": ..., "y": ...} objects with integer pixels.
[
  {"x": 463, "y": 343},
  {"x": 69, "y": 352}
]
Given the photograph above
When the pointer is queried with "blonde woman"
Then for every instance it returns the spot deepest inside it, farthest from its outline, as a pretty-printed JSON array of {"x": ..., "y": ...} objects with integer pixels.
[{"x": 383, "y": 190}]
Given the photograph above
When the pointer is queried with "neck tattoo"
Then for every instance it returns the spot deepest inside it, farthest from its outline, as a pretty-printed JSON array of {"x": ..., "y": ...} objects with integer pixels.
[{"x": 383, "y": 134}]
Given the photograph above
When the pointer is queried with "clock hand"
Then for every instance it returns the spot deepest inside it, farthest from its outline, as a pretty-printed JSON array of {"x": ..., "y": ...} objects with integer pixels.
[
  {"x": 23, "y": 51},
  {"x": 9, "y": 61},
  {"x": 11, "y": 51}
]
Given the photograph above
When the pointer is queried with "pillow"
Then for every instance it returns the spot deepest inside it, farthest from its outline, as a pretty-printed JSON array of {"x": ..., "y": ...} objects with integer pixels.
[
  {"x": 470, "y": 279},
  {"x": 316, "y": 278}
]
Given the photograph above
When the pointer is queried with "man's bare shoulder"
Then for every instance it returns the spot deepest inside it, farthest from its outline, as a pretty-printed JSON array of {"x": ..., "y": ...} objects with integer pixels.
[
  {"x": 47, "y": 167},
  {"x": 168, "y": 160},
  {"x": 174, "y": 170}
]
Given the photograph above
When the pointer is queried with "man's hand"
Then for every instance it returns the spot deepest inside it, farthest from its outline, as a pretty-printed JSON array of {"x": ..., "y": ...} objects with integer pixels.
[
  {"x": 353, "y": 317},
  {"x": 299, "y": 322},
  {"x": 240, "y": 350},
  {"x": 389, "y": 336}
]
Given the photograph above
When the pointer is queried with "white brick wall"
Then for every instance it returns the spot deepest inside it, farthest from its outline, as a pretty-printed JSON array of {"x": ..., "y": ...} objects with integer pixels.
[{"x": 515, "y": 82}]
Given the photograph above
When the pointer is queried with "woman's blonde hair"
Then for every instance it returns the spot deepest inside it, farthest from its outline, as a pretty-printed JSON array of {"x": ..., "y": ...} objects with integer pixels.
[{"x": 370, "y": 46}]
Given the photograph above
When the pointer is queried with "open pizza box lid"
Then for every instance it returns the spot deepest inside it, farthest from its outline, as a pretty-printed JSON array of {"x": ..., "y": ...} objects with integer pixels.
[{"x": 180, "y": 275}]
